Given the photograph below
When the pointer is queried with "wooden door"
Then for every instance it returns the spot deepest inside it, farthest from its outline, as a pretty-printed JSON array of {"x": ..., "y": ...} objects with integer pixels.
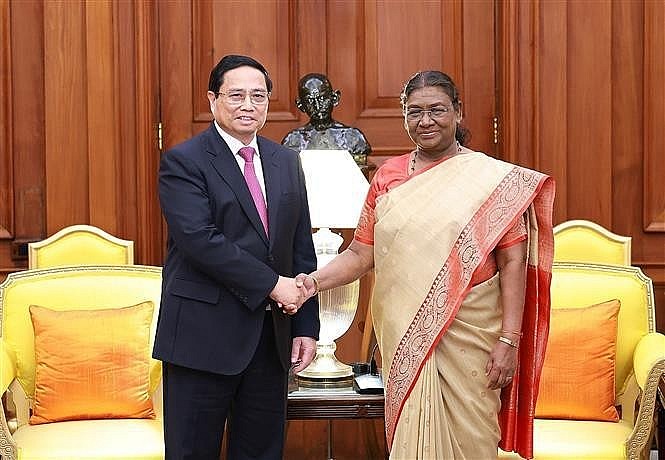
[{"x": 367, "y": 49}]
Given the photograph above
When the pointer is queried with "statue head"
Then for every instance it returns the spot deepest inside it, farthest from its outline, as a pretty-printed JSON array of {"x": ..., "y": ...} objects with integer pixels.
[{"x": 316, "y": 98}]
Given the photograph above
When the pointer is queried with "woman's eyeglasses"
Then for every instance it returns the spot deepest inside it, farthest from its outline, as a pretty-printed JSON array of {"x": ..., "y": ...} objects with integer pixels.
[
  {"x": 435, "y": 113},
  {"x": 238, "y": 97}
]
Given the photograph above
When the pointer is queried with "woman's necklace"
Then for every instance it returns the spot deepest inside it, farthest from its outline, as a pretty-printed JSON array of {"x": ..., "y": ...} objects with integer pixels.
[{"x": 412, "y": 165}]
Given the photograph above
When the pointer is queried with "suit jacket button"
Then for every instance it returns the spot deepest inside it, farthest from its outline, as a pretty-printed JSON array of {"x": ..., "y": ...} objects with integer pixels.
[{"x": 271, "y": 258}]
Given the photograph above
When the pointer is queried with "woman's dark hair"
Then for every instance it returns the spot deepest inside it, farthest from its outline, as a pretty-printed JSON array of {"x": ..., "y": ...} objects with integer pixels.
[
  {"x": 233, "y": 61},
  {"x": 427, "y": 78}
]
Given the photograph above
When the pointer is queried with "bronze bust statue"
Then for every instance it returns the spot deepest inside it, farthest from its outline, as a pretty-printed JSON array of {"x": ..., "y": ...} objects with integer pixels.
[{"x": 316, "y": 98}]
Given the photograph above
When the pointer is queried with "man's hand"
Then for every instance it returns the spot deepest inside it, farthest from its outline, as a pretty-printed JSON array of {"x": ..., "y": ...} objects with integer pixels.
[
  {"x": 307, "y": 288},
  {"x": 302, "y": 353},
  {"x": 288, "y": 295}
]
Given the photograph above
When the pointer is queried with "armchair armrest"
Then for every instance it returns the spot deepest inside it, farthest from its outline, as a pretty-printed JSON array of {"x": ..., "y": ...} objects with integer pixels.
[
  {"x": 7, "y": 368},
  {"x": 649, "y": 367},
  {"x": 7, "y": 376},
  {"x": 649, "y": 356}
]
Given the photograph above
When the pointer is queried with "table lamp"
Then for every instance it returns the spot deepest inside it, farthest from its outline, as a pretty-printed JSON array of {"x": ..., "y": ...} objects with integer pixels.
[{"x": 336, "y": 190}]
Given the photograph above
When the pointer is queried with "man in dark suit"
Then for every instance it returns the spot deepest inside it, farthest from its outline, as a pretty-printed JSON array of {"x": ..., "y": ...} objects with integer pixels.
[{"x": 231, "y": 321}]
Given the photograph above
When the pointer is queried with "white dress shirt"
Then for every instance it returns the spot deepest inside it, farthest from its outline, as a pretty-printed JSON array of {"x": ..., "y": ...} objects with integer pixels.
[{"x": 235, "y": 145}]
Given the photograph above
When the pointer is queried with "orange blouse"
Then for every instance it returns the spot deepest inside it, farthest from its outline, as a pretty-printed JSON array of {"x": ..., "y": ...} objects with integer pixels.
[{"x": 395, "y": 172}]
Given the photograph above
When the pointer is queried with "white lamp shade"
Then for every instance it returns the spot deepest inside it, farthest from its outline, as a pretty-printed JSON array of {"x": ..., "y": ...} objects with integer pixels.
[{"x": 336, "y": 188}]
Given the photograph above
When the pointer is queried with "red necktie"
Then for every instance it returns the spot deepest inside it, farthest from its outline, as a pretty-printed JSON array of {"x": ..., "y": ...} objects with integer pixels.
[{"x": 253, "y": 184}]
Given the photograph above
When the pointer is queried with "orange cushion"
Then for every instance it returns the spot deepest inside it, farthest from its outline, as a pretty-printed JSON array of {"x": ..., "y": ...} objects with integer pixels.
[
  {"x": 578, "y": 375},
  {"x": 92, "y": 363}
]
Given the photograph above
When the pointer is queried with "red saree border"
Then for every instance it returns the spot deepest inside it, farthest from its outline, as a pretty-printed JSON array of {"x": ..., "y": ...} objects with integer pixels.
[
  {"x": 507, "y": 202},
  {"x": 518, "y": 401}
]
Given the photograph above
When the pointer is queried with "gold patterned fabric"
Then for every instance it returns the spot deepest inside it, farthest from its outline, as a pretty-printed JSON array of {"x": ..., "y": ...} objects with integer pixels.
[
  {"x": 450, "y": 413},
  {"x": 432, "y": 233}
]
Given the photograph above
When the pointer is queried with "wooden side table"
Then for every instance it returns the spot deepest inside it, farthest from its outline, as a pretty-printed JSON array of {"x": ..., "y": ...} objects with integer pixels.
[{"x": 333, "y": 403}]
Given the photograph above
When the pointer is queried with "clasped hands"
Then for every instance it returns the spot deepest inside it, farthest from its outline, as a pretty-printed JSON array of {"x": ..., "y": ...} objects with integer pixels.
[{"x": 291, "y": 293}]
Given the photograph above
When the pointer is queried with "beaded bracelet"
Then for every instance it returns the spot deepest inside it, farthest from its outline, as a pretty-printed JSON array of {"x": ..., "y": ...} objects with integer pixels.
[
  {"x": 316, "y": 284},
  {"x": 507, "y": 341}
]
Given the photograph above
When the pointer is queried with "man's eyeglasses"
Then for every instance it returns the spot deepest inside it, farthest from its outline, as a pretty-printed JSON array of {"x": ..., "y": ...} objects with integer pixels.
[
  {"x": 436, "y": 113},
  {"x": 238, "y": 97}
]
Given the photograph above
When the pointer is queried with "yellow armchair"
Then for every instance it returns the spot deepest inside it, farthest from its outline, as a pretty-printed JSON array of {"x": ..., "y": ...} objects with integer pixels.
[
  {"x": 72, "y": 289},
  {"x": 640, "y": 363},
  {"x": 80, "y": 245}
]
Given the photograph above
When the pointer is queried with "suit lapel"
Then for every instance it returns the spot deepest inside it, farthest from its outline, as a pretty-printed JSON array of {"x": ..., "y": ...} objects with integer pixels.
[
  {"x": 271, "y": 176},
  {"x": 227, "y": 167}
]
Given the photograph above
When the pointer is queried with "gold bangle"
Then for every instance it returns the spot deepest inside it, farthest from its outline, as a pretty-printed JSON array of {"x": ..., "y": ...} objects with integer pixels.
[
  {"x": 507, "y": 341},
  {"x": 316, "y": 284},
  {"x": 519, "y": 333}
]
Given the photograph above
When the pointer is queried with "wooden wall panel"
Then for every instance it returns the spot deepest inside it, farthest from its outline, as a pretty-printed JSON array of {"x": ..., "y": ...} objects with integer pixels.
[
  {"x": 551, "y": 66},
  {"x": 265, "y": 40},
  {"x": 185, "y": 70},
  {"x": 627, "y": 77},
  {"x": 650, "y": 250},
  {"x": 78, "y": 141},
  {"x": 477, "y": 82},
  {"x": 585, "y": 104},
  {"x": 143, "y": 223},
  {"x": 386, "y": 38},
  {"x": 6, "y": 183},
  {"x": 310, "y": 43},
  {"x": 28, "y": 94},
  {"x": 460, "y": 41},
  {"x": 348, "y": 41},
  {"x": 175, "y": 64},
  {"x": 22, "y": 139},
  {"x": 66, "y": 134},
  {"x": 654, "y": 116},
  {"x": 101, "y": 106},
  {"x": 342, "y": 35},
  {"x": 132, "y": 125},
  {"x": 589, "y": 96}
]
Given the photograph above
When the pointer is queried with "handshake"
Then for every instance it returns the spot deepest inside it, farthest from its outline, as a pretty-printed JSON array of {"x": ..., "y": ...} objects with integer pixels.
[{"x": 291, "y": 293}]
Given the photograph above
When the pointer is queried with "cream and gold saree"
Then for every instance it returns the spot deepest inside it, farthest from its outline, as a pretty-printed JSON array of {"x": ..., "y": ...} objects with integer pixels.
[{"x": 435, "y": 330}]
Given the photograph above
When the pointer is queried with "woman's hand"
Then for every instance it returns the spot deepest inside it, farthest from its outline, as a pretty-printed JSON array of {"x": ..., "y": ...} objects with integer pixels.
[
  {"x": 307, "y": 284},
  {"x": 501, "y": 365}
]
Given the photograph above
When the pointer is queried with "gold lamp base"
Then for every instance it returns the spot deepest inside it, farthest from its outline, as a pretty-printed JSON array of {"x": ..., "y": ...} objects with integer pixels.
[
  {"x": 337, "y": 308},
  {"x": 325, "y": 369}
]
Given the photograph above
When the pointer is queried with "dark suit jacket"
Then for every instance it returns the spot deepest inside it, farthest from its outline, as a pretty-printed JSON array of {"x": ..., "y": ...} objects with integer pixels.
[{"x": 221, "y": 267}]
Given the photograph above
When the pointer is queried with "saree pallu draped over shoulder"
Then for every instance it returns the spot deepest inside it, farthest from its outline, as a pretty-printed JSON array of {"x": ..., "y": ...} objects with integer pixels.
[{"x": 436, "y": 330}]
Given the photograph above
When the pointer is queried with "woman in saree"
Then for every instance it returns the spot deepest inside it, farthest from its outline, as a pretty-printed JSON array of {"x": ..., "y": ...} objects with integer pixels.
[{"x": 461, "y": 245}]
